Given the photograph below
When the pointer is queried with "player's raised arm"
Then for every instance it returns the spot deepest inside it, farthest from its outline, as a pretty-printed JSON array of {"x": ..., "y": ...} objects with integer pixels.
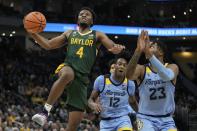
[
  {"x": 134, "y": 70},
  {"x": 108, "y": 43},
  {"x": 54, "y": 43},
  {"x": 31, "y": 26}
]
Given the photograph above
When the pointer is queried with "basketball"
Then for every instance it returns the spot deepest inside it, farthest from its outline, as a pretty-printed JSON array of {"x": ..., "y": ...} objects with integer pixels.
[{"x": 34, "y": 22}]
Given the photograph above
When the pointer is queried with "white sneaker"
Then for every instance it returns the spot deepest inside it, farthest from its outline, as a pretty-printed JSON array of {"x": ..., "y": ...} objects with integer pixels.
[{"x": 40, "y": 118}]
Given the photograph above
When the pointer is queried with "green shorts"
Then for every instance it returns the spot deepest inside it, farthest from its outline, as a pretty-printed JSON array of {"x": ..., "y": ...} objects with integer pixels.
[{"x": 77, "y": 91}]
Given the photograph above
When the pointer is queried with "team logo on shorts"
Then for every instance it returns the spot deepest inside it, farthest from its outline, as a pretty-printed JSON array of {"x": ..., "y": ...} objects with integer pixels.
[{"x": 139, "y": 124}]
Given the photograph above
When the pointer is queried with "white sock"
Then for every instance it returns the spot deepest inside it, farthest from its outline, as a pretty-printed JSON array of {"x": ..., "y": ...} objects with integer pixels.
[{"x": 48, "y": 107}]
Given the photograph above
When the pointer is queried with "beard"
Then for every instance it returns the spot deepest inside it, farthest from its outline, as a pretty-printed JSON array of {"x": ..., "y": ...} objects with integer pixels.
[{"x": 84, "y": 25}]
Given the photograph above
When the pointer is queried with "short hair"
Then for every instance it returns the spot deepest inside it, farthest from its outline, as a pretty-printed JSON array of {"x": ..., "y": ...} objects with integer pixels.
[
  {"x": 125, "y": 54},
  {"x": 91, "y": 11},
  {"x": 161, "y": 46}
]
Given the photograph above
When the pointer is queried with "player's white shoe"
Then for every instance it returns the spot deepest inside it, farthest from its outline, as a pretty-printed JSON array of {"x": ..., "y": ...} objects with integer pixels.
[{"x": 40, "y": 118}]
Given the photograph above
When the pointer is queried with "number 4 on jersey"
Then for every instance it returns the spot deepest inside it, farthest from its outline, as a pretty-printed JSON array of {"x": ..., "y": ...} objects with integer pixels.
[{"x": 80, "y": 52}]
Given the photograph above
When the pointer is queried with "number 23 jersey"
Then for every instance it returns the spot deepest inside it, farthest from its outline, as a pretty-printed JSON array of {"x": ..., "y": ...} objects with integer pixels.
[{"x": 156, "y": 95}]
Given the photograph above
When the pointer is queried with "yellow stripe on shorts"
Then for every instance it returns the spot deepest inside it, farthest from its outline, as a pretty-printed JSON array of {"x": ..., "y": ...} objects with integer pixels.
[
  {"x": 172, "y": 130},
  {"x": 125, "y": 129}
]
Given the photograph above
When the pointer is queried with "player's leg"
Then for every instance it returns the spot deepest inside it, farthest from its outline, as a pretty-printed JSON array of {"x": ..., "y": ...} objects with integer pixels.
[
  {"x": 76, "y": 101},
  {"x": 74, "y": 118},
  {"x": 66, "y": 75},
  {"x": 124, "y": 124},
  {"x": 144, "y": 125}
]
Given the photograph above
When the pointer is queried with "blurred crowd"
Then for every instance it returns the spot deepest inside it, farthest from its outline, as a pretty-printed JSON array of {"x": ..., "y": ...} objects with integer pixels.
[
  {"x": 16, "y": 111},
  {"x": 25, "y": 81},
  {"x": 113, "y": 12}
]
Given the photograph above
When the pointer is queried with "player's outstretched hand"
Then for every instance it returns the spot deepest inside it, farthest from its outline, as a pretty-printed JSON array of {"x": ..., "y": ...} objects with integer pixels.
[
  {"x": 116, "y": 49},
  {"x": 141, "y": 41},
  {"x": 97, "y": 108},
  {"x": 148, "y": 48}
]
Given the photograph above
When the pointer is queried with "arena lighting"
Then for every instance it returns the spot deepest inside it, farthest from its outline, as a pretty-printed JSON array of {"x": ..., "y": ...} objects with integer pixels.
[
  {"x": 116, "y": 37},
  {"x": 12, "y": 4},
  {"x": 186, "y": 54},
  {"x": 126, "y": 30}
]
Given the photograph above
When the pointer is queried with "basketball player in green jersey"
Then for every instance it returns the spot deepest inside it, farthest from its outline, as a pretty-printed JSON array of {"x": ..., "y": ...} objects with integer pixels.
[{"x": 81, "y": 54}]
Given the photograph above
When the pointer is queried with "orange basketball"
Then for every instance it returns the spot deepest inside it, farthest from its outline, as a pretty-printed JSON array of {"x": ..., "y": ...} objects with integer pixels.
[{"x": 34, "y": 22}]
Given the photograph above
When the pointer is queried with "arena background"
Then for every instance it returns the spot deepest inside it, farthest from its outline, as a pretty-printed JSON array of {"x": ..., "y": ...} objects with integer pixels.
[{"x": 27, "y": 71}]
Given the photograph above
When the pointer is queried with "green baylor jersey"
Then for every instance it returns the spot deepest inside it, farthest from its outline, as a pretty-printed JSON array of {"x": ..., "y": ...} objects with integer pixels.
[{"x": 81, "y": 51}]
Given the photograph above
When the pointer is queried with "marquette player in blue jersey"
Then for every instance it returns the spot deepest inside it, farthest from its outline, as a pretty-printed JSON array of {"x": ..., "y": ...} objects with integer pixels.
[
  {"x": 115, "y": 93},
  {"x": 156, "y": 83}
]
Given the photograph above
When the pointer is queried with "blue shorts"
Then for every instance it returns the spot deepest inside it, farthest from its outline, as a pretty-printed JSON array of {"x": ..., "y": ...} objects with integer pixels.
[
  {"x": 117, "y": 124},
  {"x": 148, "y": 123}
]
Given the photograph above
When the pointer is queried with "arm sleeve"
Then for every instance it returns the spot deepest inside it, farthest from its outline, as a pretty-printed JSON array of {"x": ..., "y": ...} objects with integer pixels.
[
  {"x": 99, "y": 83},
  {"x": 131, "y": 88},
  {"x": 165, "y": 73}
]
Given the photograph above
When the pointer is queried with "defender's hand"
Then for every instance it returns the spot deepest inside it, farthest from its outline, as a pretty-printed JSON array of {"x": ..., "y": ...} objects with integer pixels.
[
  {"x": 148, "y": 48},
  {"x": 116, "y": 49},
  {"x": 141, "y": 41}
]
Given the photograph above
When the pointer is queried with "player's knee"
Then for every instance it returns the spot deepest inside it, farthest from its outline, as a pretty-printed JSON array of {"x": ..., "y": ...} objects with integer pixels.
[{"x": 66, "y": 75}]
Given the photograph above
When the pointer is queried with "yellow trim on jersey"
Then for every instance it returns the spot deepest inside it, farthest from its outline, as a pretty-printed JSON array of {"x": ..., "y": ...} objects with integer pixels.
[
  {"x": 125, "y": 129},
  {"x": 107, "y": 81},
  {"x": 59, "y": 68},
  {"x": 85, "y": 33},
  {"x": 148, "y": 70},
  {"x": 125, "y": 81},
  {"x": 172, "y": 130}
]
